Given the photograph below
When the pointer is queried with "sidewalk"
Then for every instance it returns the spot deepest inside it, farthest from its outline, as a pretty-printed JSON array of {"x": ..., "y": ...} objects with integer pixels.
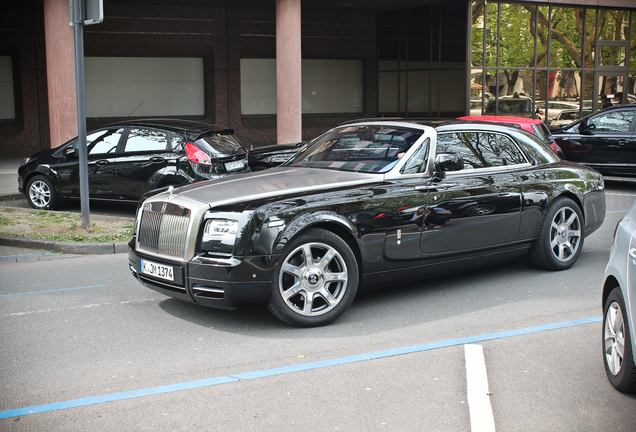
[
  {"x": 9, "y": 177},
  {"x": 22, "y": 247}
]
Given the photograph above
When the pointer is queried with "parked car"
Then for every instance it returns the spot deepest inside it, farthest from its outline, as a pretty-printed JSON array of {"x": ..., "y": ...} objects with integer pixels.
[
  {"x": 475, "y": 107},
  {"x": 619, "y": 306},
  {"x": 553, "y": 108},
  {"x": 566, "y": 117},
  {"x": 534, "y": 126},
  {"x": 519, "y": 106},
  {"x": 129, "y": 158},
  {"x": 605, "y": 141},
  {"x": 368, "y": 204},
  {"x": 265, "y": 157}
]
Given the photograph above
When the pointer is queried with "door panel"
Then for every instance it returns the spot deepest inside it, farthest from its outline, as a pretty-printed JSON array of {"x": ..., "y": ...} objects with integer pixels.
[
  {"x": 140, "y": 166},
  {"x": 467, "y": 213},
  {"x": 102, "y": 150}
]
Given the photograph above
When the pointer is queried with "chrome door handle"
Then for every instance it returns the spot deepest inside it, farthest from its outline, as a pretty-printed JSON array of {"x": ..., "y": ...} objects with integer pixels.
[
  {"x": 436, "y": 187},
  {"x": 102, "y": 162}
]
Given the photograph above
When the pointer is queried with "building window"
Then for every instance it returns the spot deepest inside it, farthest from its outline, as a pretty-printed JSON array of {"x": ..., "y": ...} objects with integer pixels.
[
  {"x": 7, "y": 100},
  {"x": 556, "y": 57},
  {"x": 421, "y": 65},
  {"x": 144, "y": 86},
  {"x": 328, "y": 86}
]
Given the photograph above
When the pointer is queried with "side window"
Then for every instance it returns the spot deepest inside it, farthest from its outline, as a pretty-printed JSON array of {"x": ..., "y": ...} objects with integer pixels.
[
  {"x": 104, "y": 141},
  {"x": 480, "y": 149},
  {"x": 417, "y": 162},
  {"x": 615, "y": 121},
  {"x": 143, "y": 140}
]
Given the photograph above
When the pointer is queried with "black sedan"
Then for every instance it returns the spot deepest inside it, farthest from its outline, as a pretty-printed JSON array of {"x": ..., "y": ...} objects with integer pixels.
[
  {"x": 273, "y": 155},
  {"x": 605, "y": 141},
  {"x": 129, "y": 158},
  {"x": 368, "y": 204}
]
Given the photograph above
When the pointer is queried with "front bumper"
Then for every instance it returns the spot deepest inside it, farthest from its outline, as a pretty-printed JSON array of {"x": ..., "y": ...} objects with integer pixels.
[{"x": 218, "y": 283}]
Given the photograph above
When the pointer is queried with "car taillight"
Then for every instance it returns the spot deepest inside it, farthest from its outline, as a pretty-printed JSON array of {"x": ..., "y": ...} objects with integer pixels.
[{"x": 198, "y": 156}]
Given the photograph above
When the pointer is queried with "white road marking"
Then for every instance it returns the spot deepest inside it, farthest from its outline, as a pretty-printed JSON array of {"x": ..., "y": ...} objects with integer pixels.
[
  {"x": 620, "y": 194},
  {"x": 481, "y": 417}
]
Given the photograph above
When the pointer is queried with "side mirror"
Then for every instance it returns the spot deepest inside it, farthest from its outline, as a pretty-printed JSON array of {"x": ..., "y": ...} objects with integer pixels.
[
  {"x": 587, "y": 129},
  {"x": 71, "y": 151},
  {"x": 447, "y": 162}
]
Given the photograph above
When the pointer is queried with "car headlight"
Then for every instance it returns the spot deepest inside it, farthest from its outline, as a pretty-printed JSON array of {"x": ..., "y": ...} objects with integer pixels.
[{"x": 219, "y": 235}]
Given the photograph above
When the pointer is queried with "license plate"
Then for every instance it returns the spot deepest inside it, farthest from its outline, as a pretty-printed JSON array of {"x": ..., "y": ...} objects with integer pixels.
[
  {"x": 234, "y": 165},
  {"x": 157, "y": 270}
]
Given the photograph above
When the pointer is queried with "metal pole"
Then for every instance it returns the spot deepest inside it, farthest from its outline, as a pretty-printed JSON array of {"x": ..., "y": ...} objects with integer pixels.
[{"x": 78, "y": 20}]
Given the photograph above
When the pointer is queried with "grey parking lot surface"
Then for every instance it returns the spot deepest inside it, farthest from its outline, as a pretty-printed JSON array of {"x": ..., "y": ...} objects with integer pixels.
[{"x": 75, "y": 327}]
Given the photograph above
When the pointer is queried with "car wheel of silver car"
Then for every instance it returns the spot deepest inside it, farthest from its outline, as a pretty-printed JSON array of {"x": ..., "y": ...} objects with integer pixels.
[
  {"x": 316, "y": 279},
  {"x": 41, "y": 194},
  {"x": 560, "y": 239},
  {"x": 617, "y": 349}
]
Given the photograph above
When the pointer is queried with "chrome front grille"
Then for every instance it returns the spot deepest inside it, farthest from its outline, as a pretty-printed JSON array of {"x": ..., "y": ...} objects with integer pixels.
[{"x": 163, "y": 229}]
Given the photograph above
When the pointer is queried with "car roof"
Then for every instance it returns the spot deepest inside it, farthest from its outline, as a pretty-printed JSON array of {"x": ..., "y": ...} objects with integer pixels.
[
  {"x": 176, "y": 125},
  {"x": 432, "y": 122},
  {"x": 504, "y": 119},
  {"x": 440, "y": 125}
]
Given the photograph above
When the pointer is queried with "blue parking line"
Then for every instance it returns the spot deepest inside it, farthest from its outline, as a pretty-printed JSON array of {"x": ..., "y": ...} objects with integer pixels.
[
  {"x": 290, "y": 369},
  {"x": 115, "y": 397},
  {"x": 49, "y": 291}
]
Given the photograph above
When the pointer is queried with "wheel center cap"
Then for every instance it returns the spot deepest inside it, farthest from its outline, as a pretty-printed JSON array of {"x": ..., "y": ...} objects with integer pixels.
[
  {"x": 563, "y": 232},
  {"x": 313, "y": 278}
]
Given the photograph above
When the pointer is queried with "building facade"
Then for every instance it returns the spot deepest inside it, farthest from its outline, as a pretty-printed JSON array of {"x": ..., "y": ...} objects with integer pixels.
[{"x": 232, "y": 63}]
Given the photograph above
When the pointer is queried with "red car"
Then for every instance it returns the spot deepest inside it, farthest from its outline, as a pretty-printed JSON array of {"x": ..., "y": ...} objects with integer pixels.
[{"x": 534, "y": 126}]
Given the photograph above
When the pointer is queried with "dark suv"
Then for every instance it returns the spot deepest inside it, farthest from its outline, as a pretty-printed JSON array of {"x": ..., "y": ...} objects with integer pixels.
[{"x": 129, "y": 158}]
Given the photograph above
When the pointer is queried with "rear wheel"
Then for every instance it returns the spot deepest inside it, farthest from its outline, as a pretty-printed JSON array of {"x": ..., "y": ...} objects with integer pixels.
[
  {"x": 560, "y": 239},
  {"x": 316, "y": 280},
  {"x": 40, "y": 193},
  {"x": 617, "y": 345}
]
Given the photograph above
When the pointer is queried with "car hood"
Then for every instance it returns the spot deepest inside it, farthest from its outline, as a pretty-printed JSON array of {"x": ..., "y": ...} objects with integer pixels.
[{"x": 269, "y": 183}]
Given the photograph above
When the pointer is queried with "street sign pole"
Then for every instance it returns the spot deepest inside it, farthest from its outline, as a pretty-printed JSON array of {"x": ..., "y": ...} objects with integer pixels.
[{"x": 78, "y": 21}]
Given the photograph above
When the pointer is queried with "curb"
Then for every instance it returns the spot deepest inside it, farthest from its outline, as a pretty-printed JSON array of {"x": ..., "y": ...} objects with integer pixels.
[
  {"x": 66, "y": 247},
  {"x": 15, "y": 196}
]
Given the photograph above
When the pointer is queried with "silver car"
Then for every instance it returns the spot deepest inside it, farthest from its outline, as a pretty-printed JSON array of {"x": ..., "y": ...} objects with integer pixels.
[{"x": 619, "y": 306}]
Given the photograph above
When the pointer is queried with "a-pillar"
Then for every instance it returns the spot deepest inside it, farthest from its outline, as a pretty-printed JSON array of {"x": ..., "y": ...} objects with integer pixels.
[
  {"x": 60, "y": 71},
  {"x": 288, "y": 72}
]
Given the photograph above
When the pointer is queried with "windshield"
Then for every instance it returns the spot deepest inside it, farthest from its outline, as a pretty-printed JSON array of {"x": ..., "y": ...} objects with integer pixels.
[{"x": 371, "y": 149}]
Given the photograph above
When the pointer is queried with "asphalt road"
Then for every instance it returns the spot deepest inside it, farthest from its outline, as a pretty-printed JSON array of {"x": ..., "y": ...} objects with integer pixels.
[{"x": 86, "y": 347}]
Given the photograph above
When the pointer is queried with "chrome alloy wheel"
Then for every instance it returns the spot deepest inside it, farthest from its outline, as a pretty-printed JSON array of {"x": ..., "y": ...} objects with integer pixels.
[
  {"x": 614, "y": 338},
  {"x": 565, "y": 234},
  {"x": 313, "y": 279},
  {"x": 40, "y": 193}
]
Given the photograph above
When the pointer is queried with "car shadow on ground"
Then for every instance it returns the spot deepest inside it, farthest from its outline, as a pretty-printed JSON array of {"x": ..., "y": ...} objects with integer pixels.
[{"x": 385, "y": 309}]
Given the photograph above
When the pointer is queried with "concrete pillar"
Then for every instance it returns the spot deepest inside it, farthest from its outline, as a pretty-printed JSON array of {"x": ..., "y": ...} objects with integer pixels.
[
  {"x": 288, "y": 72},
  {"x": 60, "y": 71}
]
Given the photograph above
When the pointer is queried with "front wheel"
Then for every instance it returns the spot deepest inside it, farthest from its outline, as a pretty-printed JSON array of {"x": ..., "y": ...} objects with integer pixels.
[
  {"x": 560, "y": 239},
  {"x": 40, "y": 193},
  {"x": 316, "y": 280},
  {"x": 617, "y": 346}
]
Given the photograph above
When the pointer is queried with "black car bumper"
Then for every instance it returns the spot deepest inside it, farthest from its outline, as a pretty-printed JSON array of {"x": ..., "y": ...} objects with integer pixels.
[{"x": 218, "y": 283}]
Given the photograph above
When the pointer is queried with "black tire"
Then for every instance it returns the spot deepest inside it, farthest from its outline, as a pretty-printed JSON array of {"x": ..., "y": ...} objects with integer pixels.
[
  {"x": 40, "y": 193},
  {"x": 331, "y": 283},
  {"x": 617, "y": 345},
  {"x": 560, "y": 239}
]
